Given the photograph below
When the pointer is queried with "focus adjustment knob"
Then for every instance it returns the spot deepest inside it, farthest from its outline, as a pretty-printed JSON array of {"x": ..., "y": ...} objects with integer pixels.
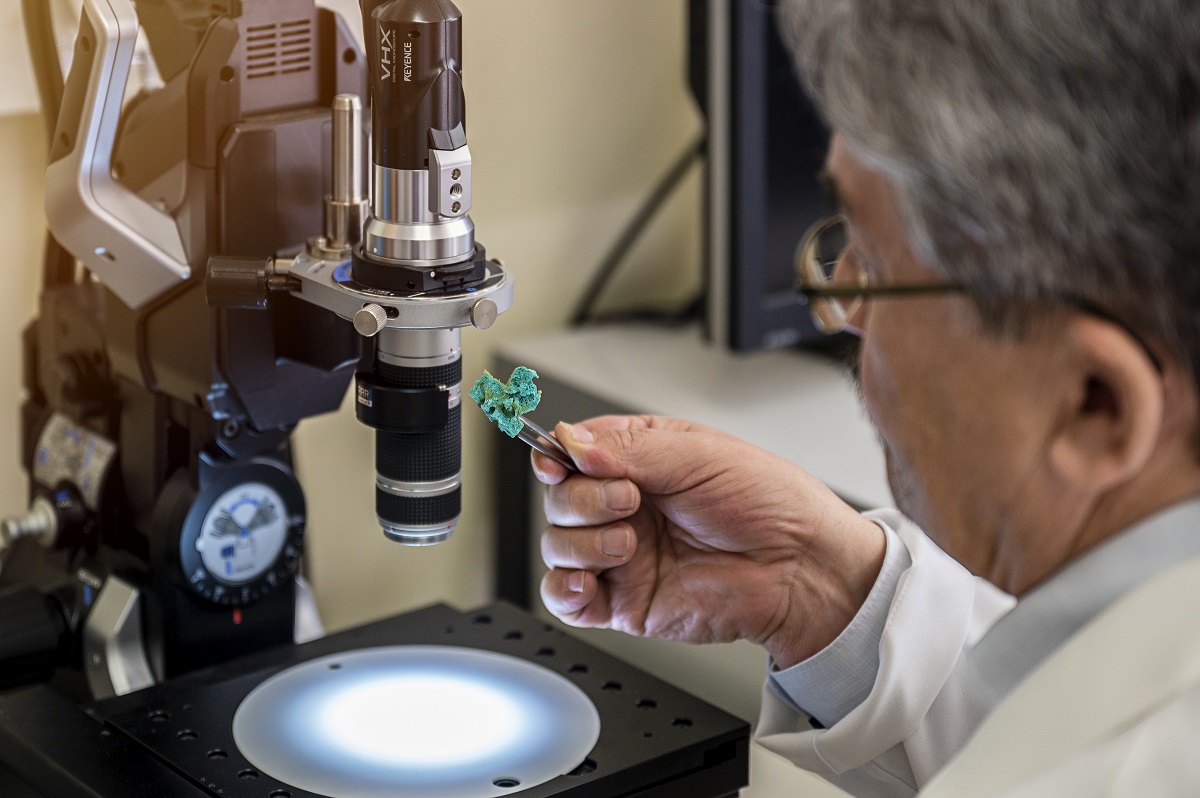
[
  {"x": 483, "y": 313},
  {"x": 235, "y": 282},
  {"x": 370, "y": 320}
]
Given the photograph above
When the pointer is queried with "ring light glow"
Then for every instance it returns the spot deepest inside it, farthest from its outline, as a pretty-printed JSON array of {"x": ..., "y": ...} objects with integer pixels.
[{"x": 418, "y": 721}]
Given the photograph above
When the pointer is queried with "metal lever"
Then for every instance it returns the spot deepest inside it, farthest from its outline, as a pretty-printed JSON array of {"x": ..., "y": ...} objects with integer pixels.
[{"x": 133, "y": 247}]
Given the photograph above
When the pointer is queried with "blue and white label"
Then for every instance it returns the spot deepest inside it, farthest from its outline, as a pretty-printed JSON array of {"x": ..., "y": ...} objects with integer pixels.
[
  {"x": 67, "y": 452},
  {"x": 243, "y": 533}
]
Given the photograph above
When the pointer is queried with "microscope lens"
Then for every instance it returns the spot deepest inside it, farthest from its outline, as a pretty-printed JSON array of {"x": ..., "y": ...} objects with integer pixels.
[
  {"x": 415, "y": 391},
  {"x": 418, "y": 493}
]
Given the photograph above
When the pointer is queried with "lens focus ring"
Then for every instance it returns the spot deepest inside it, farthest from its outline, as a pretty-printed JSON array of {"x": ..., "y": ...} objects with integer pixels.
[{"x": 418, "y": 498}]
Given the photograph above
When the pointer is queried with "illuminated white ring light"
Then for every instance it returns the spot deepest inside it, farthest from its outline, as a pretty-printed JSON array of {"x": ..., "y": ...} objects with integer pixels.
[{"x": 417, "y": 721}]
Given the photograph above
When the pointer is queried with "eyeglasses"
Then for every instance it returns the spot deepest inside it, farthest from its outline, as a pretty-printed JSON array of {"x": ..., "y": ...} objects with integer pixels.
[{"x": 836, "y": 285}]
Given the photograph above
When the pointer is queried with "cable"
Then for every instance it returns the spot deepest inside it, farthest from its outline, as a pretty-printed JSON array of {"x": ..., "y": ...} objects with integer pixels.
[{"x": 649, "y": 209}]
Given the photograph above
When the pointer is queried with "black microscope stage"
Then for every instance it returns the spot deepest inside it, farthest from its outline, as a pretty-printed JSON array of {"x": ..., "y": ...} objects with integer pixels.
[{"x": 176, "y": 739}]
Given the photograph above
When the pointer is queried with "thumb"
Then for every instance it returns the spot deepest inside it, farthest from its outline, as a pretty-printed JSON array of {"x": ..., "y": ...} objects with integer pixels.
[{"x": 659, "y": 455}]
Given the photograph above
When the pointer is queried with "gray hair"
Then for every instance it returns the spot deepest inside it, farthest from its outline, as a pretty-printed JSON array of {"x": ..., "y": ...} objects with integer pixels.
[{"x": 1037, "y": 147}]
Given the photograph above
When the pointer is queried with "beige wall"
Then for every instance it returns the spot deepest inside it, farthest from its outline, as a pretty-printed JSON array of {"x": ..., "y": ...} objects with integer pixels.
[
  {"x": 22, "y": 158},
  {"x": 575, "y": 108}
]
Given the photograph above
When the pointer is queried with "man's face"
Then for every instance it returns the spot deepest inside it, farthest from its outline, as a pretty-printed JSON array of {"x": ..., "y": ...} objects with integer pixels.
[{"x": 960, "y": 412}]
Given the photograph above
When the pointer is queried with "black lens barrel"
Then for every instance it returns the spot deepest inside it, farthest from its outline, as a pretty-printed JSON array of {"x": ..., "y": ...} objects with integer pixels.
[{"x": 418, "y": 448}]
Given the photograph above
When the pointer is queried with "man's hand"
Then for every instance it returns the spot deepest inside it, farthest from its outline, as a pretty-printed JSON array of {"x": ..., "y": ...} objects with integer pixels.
[{"x": 679, "y": 531}]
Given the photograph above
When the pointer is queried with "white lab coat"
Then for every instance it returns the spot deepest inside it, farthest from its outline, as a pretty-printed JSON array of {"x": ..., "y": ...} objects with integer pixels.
[{"x": 1114, "y": 712}]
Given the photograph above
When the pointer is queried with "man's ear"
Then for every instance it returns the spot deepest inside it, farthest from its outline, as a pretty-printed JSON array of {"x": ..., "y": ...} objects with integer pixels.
[{"x": 1112, "y": 412}]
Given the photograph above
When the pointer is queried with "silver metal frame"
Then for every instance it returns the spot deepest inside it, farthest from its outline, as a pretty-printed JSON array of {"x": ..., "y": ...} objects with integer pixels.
[
  {"x": 319, "y": 285},
  {"x": 113, "y": 646},
  {"x": 450, "y": 181},
  {"x": 133, "y": 247}
]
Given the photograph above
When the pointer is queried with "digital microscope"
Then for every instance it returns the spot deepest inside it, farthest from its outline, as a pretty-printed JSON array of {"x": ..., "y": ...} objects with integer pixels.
[{"x": 215, "y": 274}]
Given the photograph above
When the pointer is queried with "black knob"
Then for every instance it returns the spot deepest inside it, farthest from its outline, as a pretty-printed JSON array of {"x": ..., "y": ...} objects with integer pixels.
[
  {"x": 71, "y": 514},
  {"x": 237, "y": 282}
]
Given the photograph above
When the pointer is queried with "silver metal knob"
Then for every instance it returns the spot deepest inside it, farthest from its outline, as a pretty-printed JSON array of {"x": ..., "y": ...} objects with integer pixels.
[
  {"x": 369, "y": 320},
  {"x": 39, "y": 523},
  {"x": 483, "y": 313}
]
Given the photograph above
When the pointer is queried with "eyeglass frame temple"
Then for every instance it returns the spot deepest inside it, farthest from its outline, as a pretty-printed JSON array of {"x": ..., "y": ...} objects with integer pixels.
[{"x": 810, "y": 291}]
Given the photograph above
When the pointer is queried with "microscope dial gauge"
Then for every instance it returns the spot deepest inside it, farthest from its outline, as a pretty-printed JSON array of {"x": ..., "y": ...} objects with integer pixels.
[
  {"x": 242, "y": 536},
  {"x": 242, "y": 533}
]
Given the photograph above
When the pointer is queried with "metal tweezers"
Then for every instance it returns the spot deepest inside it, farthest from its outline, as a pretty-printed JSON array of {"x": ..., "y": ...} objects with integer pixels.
[{"x": 545, "y": 443}]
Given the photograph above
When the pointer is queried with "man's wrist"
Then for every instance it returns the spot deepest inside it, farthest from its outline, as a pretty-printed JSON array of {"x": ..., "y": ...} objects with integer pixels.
[
  {"x": 830, "y": 589},
  {"x": 829, "y": 684}
]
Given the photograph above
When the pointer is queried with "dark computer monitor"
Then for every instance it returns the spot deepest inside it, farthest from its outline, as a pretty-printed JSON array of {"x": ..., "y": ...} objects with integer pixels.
[{"x": 766, "y": 145}]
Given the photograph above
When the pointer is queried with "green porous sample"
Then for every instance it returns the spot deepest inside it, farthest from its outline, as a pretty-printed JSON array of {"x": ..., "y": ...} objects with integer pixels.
[{"x": 505, "y": 403}]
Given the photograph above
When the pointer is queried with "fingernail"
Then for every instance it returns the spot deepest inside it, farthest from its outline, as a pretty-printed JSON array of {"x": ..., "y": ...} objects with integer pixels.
[
  {"x": 618, "y": 495},
  {"x": 575, "y": 582},
  {"x": 615, "y": 542},
  {"x": 581, "y": 434}
]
